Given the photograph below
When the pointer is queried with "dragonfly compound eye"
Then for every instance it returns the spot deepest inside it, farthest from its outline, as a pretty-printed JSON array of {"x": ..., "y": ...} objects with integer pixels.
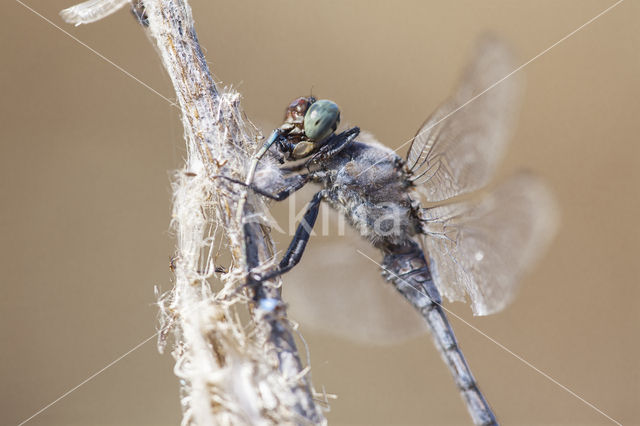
[{"x": 321, "y": 120}]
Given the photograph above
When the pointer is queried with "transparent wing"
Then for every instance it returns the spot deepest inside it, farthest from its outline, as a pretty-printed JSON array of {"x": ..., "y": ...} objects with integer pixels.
[
  {"x": 481, "y": 248},
  {"x": 458, "y": 147},
  {"x": 341, "y": 293},
  {"x": 91, "y": 11}
]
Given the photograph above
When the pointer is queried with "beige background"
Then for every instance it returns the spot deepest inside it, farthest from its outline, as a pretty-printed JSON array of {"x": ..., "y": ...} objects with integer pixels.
[{"x": 85, "y": 162}]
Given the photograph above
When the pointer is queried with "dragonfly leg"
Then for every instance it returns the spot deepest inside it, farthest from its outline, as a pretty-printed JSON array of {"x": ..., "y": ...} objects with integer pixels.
[
  {"x": 333, "y": 146},
  {"x": 283, "y": 194},
  {"x": 299, "y": 242}
]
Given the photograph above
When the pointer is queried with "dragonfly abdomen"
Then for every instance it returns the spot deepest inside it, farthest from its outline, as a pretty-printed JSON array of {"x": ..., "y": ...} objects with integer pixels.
[{"x": 406, "y": 268}]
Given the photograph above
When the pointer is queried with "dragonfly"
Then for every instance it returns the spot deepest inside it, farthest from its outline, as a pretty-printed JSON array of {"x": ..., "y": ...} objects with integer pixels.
[{"x": 439, "y": 231}]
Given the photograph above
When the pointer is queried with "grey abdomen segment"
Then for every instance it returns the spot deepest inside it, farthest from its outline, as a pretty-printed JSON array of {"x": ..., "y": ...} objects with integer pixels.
[{"x": 407, "y": 269}]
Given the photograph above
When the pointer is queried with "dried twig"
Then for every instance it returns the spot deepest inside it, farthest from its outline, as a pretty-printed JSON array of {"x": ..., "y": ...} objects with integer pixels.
[{"x": 231, "y": 371}]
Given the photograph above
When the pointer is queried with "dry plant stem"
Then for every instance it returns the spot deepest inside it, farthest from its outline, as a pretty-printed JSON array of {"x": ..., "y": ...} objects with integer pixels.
[
  {"x": 231, "y": 372},
  {"x": 256, "y": 387}
]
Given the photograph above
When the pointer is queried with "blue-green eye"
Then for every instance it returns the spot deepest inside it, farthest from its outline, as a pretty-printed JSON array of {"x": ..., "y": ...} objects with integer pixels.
[{"x": 321, "y": 120}]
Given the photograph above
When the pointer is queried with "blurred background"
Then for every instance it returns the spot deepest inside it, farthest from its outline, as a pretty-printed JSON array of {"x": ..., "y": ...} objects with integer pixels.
[{"x": 86, "y": 155}]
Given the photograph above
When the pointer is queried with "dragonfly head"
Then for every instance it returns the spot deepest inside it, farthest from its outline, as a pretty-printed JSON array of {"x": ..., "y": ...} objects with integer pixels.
[{"x": 308, "y": 123}]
